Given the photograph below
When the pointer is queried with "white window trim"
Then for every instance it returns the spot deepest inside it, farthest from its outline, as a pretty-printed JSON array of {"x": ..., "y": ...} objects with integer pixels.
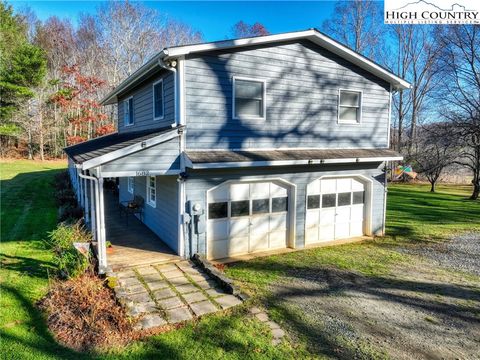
[
  {"x": 149, "y": 202},
  {"x": 264, "y": 111},
  {"x": 350, "y": 122},
  {"x": 163, "y": 100},
  {"x": 125, "y": 123},
  {"x": 131, "y": 184}
]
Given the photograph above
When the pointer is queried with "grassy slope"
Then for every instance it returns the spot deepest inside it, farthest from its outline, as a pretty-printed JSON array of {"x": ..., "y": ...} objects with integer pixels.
[{"x": 28, "y": 213}]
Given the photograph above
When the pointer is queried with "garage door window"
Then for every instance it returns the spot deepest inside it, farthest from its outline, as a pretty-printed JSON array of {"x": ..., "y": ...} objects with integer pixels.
[
  {"x": 217, "y": 210},
  {"x": 260, "y": 206},
  {"x": 358, "y": 197},
  {"x": 313, "y": 201},
  {"x": 328, "y": 200},
  {"x": 344, "y": 199},
  {"x": 279, "y": 204},
  {"x": 240, "y": 208}
]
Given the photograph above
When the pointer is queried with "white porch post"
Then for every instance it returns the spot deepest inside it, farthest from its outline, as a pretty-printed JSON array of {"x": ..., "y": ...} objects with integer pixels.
[
  {"x": 93, "y": 222},
  {"x": 87, "y": 208},
  {"x": 101, "y": 242}
]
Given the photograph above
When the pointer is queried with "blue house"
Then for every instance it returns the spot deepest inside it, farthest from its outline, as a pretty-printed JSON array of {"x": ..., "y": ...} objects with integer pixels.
[{"x": 246, "y": 146}]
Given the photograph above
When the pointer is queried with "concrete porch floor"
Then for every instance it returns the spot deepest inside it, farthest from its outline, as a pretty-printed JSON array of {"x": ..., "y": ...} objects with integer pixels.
[{"x": 133, "y": 243}]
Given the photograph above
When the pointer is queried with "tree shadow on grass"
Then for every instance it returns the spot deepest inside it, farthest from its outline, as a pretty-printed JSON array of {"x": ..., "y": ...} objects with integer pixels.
[{"x": 27, "y": 265}]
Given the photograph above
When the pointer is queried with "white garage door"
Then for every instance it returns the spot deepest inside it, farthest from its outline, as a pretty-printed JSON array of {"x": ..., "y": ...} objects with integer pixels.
[
  {"x": 245, "y": 218},
  {"x": 335, "y": 209}
]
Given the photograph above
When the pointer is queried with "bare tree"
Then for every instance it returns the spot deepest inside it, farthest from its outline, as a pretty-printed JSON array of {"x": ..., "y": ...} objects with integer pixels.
[
  {"x": 461, "y": 96},
  {"x": 434, "y": 150},
  {"x": 242, "y": 30},
  {"x": 356, "y": 24}
]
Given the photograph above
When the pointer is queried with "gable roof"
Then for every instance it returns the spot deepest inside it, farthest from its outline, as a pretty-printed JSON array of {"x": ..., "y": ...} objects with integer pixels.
[
  {"x": 113, "y": 146},
  {"x": 313, "y": 35}
]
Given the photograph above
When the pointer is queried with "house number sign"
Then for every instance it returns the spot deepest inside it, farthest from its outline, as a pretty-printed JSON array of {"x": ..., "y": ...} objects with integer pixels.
[{"x": 142, "y": 173}]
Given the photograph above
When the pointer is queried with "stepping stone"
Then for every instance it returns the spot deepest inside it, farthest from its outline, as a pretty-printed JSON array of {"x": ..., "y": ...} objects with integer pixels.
[
  {"x": 194, "y": 297},
  {"x": 276, "y": 341},
  {"x": 262, "y": 316},
  {"x": 207, "y": 284},
  {"x": 187, "y": 288},
  {"x": 167, "y": 268},
  {"x": 179, "y": 281},
  {"x": 147, "y": 270},
  {"x": 150, "y": 321},
  {"x": 199, "y": 277},
  {"x": 157, "y": 285},
  {"x": 215, "y": 292},
  {"x": 202, "y": 308},
  {"x": 170, "y": 303},
  {"x": 125, "y": 274},
  {"x": 228, "y": 301},
  {"x": 178, "y": 315},
  {"x": 129, "y": 281},
  {"x": 152, "y": 277},
  {"x": 192, "y": 271},
  {"x": 135, "y": 289},
  {"x": 163, "y": 293},
  {"x": 185, "y": 265},
  {"x": 173, "y": 274},
  {"x": 255, "y": 310},
  {"x": 273, "y": 325},
  {"x": 138, "y": 309},
  {"x": 278, "y": 333},
  {"x": 140, "y": 298}
]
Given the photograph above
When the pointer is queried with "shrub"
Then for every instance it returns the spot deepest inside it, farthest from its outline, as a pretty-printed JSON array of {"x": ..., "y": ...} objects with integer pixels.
[
  {"x": 70, "y": 214},
  {"x": 68, "y": 260}
]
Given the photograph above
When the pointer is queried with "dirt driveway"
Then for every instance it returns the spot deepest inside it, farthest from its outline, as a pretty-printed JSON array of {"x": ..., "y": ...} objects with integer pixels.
[{"x": 420, "y": 311}]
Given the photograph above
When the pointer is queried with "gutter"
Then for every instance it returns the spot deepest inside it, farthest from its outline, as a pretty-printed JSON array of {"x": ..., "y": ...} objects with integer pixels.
[{"x": 172, "y": 67}]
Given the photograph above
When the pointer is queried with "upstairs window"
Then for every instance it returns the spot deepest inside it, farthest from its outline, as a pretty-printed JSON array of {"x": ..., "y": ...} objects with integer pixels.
[
  {"x": 349, "y": 107},
  {"x": 128, "y": 111},
  {"x": 248, "y": 98},
  {"x": 130, "y": 183},
  {"x": 151, "y": 191},
  {"x": 158, "y": 100}
]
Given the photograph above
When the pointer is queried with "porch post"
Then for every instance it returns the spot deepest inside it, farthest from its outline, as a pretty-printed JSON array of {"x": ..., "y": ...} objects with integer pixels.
[
  {"x": 93, "y": 222},
  {"x": 101, "y": 242},
  {"x": 87, "y": 208}
]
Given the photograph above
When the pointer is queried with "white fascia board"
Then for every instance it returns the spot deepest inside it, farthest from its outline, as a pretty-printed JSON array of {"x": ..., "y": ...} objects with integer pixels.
[
  {"x": 133, "y": 173},
  {"x": 142, "y": 145},
  {"x": 241, "y": 164}
]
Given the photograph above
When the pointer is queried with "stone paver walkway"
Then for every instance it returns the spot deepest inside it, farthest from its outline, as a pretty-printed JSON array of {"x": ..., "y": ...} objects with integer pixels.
[
  {"x": 158, "y": 295},
  {"x": 277, "y": 332}
]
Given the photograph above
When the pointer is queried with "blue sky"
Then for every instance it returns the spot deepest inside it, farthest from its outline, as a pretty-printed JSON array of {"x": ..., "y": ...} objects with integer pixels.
[{"x": 213, "y": 18}]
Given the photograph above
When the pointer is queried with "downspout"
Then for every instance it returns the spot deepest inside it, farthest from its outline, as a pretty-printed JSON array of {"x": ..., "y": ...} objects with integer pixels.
[
  {"x": 171, "y": 67},
  {"x": 101, "y": 248}
]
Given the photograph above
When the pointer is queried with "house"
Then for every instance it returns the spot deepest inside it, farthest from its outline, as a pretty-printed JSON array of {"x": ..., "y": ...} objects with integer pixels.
[{"x": 247, "y": 145}]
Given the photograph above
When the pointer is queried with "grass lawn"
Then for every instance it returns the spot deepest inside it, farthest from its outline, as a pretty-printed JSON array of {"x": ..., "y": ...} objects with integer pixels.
[{"x": 28, "y": 212}]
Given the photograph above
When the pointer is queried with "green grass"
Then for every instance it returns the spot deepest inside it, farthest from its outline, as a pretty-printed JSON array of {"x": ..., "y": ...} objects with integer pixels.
[{"x": 28, "y": 212}]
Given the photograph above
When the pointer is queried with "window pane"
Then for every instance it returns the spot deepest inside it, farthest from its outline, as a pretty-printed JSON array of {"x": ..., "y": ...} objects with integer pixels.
[
  {"x": 248, "y": 107},
  {"x": 358, "y": 197},
  {"x": 217, "y": 210},
  {"x": 328, "y": 200},
  {"x": 260, "y": 206},
  {"x": 349, "y": 98},
  {"x": 279, "y": 204},
  {"x": 313, "y": 201},
  {"x": 349, "y": 114},
  {"x": 248, "y": 89},
  {"x": 344, "y": 198},
  {"x": 130, "y": 111},
  {"x": 158, "y": 101},
  {"x": 240, "y": 208}
]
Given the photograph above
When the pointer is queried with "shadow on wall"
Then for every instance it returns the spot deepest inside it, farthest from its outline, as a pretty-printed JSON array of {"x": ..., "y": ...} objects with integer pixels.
[{"x": 294, "y": 116}]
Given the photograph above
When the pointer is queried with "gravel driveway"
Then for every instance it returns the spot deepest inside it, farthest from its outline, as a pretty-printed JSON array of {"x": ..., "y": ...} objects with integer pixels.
[{"x": 417, "y": 312}]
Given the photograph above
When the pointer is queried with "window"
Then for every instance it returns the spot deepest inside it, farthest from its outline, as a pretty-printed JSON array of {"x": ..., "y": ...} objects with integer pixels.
[
  {"x": 240, "y": 208},
  {"x": 313, "y": 201},
  {"x": 328, "y": 200},
  {"x": 358, "y": 197},
  {"x": 260, "y": 206},
  {"x": 279, "y": 204},
  {"x": 344, "y": 199},
  {"x": 158, "y": 100},
  {"x": 151, "y": 191},
  {"x": 349, "y": 107},
  {"x": 130, "y": 184},
  {"x": 249, "y": 98},
  {"x": 128, "y": 111},
  {"x": 217, "y": 210}
]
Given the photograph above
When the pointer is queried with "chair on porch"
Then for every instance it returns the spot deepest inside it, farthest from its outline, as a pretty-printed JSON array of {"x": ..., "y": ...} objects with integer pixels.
[{"x": 134, "y": 206}]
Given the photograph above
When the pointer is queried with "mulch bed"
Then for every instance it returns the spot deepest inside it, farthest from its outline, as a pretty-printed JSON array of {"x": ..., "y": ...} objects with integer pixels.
[{"x": 83, "y": 314}]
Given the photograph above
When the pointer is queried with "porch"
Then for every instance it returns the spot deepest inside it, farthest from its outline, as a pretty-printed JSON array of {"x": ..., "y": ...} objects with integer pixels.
[{"x": 133, "y": 244}]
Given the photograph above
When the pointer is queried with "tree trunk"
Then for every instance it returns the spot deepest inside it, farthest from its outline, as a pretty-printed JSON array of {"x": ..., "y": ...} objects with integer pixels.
[
  {"x": 41, "y": 137},
  {"x": 476, "y": 189},
  {"x": 432, "y": 188}
]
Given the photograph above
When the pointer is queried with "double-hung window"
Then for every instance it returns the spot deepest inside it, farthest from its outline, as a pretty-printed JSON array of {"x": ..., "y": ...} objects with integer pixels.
[
  {"x": 158, "y": 106},
  {"x": 248, "y": 98},
  {"x": 130, "y": 183},
  {"x": 151, "y": 191},
  {"x": 128, "y": 111},
  {"x": 349, "y": 107}
]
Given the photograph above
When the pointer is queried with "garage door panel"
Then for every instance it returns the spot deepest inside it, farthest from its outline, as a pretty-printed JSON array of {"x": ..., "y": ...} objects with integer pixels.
[
  {"x": 239, "y": 191},
  {"x": 218, "y": 229},
  {"x": 277, "y": 191},
  {"x": 327, "y": 232},
  {"x": 342, "y": 215},
  {"x": 328, "y": 186},
  {"x": 239, "y": 227},
  {"x": 357, "y": 185},
  {"x": 278, "y": 239},
  {"x": 218, "y": 249},
  {"x": 311, "y": 235},
  {"x": 259, "y": 190},
  {"x": 258, "y": 242},
  {"x": 344, "y": 185},
  {"x": 313, "y": 188},
  {"x": 327, "y": 216},
  {"x": 220, "y": 194},
  {"x": 237, "y": 245},
  {"x": 356, "y": 228},
  {"x": 357, "y": 213},
  {"x": 278, "y": 222},
  {"x": 312, "y": 218}
]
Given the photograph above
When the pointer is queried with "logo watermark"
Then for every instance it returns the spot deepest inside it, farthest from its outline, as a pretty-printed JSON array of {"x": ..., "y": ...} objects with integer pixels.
[{"x": 432, "y": 12}]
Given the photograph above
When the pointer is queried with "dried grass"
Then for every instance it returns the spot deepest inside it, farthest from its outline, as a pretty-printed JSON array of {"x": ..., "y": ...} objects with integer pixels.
[{"x": 83, "y": 314}]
